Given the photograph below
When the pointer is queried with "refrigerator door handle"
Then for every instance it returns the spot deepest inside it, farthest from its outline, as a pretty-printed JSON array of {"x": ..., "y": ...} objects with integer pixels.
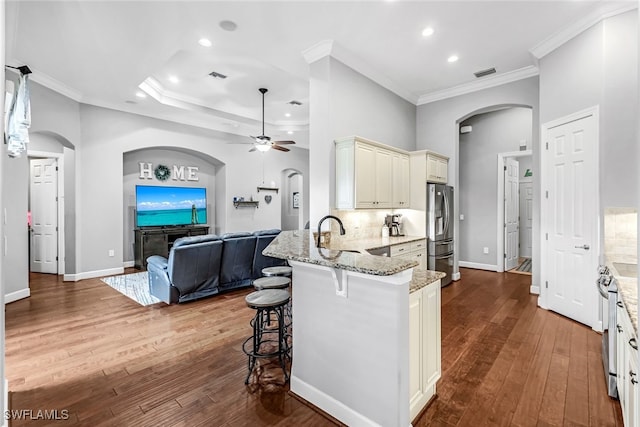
[
  {"x": 447, "y": 213},
  {"x": 449, "y": 255}
]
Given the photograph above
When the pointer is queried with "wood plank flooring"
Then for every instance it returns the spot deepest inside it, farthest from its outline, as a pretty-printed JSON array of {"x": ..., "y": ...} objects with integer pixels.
[{"x": 85, "y": 348}]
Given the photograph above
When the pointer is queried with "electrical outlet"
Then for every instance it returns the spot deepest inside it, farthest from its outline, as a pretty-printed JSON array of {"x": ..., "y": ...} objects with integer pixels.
[
  {"x": 112, "y": 252},
  {"x": 461, "y": 217},
  {"x": 485, "y": 250}
]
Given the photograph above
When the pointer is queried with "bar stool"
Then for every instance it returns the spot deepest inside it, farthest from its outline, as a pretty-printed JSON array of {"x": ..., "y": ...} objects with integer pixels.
[
  {"x": 265, "y": 335},
  {"x": 279, "y": 270},
  {"x": 272, "y": 282}
]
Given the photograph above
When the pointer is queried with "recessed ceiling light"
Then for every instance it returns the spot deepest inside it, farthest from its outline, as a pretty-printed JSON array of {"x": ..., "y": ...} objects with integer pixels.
[
  {"x": 427, "y": 32},
  {"x": 228, "y": 25},
  {"x": 290, "y": 132},
  {"x": 141, "y": 94},
  {"x": 204, "y": 42},
  {"x": 452, "y": 58},
  {"x": 174, "y": 79},
  {"x": 287, "y": 114}
]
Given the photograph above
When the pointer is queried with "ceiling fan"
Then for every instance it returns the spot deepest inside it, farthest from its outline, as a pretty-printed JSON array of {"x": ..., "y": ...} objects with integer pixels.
[{"x": 263, "y": 142}]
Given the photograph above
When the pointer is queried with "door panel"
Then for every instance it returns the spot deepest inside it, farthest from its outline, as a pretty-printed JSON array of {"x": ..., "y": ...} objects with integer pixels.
[
  {"x": 571, "y": 211},
  {"x": 44, "y": 216},
  {"x": 511, "y": 213},
  {"x": 526, "y": 219}
]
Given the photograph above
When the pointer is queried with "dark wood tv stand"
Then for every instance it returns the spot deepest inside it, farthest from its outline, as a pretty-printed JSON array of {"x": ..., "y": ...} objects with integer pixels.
[{"x": 158, "y": 241}]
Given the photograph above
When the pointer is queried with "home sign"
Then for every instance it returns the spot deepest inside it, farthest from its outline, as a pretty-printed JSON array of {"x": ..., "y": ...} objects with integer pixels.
[{"x": 163, "y": 173}]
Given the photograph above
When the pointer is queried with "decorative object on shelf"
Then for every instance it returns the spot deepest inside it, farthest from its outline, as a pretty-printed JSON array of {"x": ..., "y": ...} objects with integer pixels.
[
  {"x": 162, "y": 172},
  {"x": 267, "y": 198},
  {"x": 248, "y": 204},
  {"x": 268, "y": 189},
  {"x": 296, "y": 200}
]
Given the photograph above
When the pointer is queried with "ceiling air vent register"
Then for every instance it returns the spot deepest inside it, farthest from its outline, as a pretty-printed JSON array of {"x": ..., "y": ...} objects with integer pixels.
[
  {"x": 217, "y": 75},
  {"x": 483, "y": 73}
]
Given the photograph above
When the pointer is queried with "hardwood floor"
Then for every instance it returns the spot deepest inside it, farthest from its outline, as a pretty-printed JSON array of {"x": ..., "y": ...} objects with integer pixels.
[{"x": 85, "y": 348}]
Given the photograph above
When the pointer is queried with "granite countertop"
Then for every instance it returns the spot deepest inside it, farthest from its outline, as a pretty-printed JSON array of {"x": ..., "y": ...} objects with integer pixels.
[
  {"x": 361, "y": 245},
  {"x": 627, "y": 289},
  {"x": 298, "y": 245},
  {"x": 422, "y": 278}
]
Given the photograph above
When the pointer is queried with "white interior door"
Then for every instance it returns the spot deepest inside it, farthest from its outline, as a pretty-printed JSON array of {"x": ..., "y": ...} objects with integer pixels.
[
  {"x": 511, "y": 213},
  {"x": 44, "y": 216},
  {"x": 570, "y": 219},
  {"x": 526, "y": 219}
]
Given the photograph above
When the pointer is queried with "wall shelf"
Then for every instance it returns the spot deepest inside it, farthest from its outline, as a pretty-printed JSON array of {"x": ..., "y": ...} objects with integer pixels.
[
  {"x": 268, "y": 189},
  {"x": 247, "y": 204}
]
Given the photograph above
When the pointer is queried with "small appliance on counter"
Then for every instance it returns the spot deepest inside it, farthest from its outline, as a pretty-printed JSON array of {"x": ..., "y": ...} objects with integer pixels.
[{"x": 394, "y": 223}]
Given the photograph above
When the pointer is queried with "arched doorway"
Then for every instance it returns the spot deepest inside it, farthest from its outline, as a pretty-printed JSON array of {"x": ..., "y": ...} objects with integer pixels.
[{"x": 292, "y": 212}]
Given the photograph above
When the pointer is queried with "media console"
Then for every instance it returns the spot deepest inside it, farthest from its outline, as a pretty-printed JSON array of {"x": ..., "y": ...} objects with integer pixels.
[{"x": 158, "y": 241}]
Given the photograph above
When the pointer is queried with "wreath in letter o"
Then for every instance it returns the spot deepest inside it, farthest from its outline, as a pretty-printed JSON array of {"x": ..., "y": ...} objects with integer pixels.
[{"x": 162, "y": 172}]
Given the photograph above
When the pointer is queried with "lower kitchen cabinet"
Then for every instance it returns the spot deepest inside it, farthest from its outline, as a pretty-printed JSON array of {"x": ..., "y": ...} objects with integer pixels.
[
  {"x": 416, "y": 251},
  {"x": 627, "y": 375},
  {"x": 424, "y": 346}
]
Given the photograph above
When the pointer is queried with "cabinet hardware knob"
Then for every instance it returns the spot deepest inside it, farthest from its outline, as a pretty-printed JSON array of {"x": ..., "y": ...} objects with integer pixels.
[
  {"x": 619, "y": 304},
  {"x": 633, "y": 381},
  {"x": 633, "y": 343},
  {"x": 619, "y": 328}
]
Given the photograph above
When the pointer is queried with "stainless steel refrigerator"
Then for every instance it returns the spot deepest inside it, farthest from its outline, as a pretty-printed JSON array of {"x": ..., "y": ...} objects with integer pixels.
[{"x": 440, "y": 229}]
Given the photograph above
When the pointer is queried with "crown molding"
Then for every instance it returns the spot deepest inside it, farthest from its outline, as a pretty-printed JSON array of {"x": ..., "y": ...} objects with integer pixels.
[
  {"x": 556, "y": 40},
  {"x": 484, "y": 83},
  {"x": 50, "y": 82},
  {"x": 330, "y": 48}
]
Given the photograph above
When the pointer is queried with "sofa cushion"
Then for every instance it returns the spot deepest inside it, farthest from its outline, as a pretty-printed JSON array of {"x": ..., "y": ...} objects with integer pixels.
[
  {"x": 189, "y": 240},
  {"x": 237, "y": 259},
  {"x": 263, "y": 238}
]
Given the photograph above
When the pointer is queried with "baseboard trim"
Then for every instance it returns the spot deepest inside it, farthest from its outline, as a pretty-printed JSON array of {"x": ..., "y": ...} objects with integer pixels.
[
  {"x": 478, "y": 266},
  {"x": 15, "y": 296},
  {"x": 128, "y": 264},
  {"x": 328, "y": 404},
  {"x": 455, "y": 276},
  {"x": 534, "y": 289},
  {"x": 92, "y": 274}
]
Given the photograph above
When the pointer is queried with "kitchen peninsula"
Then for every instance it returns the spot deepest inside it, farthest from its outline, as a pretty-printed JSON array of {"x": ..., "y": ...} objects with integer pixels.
[{"x": 360, "y": 353}]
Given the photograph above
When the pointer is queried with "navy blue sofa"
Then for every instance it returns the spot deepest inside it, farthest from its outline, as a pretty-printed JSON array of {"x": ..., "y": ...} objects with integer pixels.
[{"x": 202, "y": 266}]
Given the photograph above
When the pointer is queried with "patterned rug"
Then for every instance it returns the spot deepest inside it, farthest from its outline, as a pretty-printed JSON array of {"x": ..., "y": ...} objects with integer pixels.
[
  {"x": 134, "y": 286},
  {"x": 523, "y": 268}
]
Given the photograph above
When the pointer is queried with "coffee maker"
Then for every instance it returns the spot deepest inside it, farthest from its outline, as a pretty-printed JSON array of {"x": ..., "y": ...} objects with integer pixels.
[{"x": 395, "y": 225}]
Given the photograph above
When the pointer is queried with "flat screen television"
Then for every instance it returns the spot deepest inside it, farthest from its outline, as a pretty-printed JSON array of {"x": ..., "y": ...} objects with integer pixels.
[{"x": 160, "y": 206}]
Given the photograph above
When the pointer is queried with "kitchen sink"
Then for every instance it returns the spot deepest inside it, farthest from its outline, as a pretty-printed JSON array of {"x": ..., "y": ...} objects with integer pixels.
[{"x": 626, "y": 270}]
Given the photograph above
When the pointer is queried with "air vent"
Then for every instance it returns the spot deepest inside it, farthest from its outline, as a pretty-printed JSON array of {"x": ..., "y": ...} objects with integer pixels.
[
  {"x": 483, "y": 73},
  {"x": 217, "y": 75},
  {"x": 294, "y": 102}
]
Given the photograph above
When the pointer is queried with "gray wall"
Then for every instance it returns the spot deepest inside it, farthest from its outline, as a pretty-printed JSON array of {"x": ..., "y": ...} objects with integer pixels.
[
  {"x": 131, "y": 177},
  {"x": 493, "y": 133},
  {"x": 599, "y": 67},
  {"x": 437, "y": 130},
  {"x": 343, "y": 102}
]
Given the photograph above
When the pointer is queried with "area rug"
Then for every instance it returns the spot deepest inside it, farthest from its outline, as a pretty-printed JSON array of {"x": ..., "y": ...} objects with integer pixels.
[{"x": 134, "y": 286}]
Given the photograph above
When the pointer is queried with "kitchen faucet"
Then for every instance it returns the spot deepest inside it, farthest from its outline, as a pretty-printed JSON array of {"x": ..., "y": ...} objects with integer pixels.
[{"x": 342, "y": 231}]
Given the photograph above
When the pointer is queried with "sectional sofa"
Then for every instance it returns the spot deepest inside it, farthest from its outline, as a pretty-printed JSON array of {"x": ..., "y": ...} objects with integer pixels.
[{"x": 202, "y": 266}]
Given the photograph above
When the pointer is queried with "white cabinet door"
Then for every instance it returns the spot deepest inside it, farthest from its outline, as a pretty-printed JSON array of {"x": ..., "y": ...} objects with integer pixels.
[
  {"x": 437, "y": 168},
  {"x": 632, "y": 386},
  {"x": 424, "y": 346},
  {"x": 383, "y": 178},
  {"x": 415, "y": 352},
  {"x": 620, "y": 353},
  {"x": 442, "y": 170},
  {"x": 401, "y": 183},
  {"x": 365, "y": 176},
  {"x": 432, "y": 367}
]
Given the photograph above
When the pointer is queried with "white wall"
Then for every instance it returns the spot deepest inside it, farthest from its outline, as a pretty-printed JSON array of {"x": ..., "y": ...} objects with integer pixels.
[
  {"x": 437, "y": 130},
  {"x": 493, "y": 133},
  {"x": 4, "y": 393},
  {"x": 599, "y": 67},
  {"x": 343, "y": 102}
]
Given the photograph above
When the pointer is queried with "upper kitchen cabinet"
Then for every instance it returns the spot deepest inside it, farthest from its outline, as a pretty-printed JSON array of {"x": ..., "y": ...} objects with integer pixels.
[
  {"x": 401, "y": 180},
  {"x": 437, "y": 168},
  {"x": 370, "y": 175}
]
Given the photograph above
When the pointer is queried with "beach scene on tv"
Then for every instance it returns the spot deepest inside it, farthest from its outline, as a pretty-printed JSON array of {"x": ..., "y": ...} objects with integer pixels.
[{"x": 166, "y": 206}]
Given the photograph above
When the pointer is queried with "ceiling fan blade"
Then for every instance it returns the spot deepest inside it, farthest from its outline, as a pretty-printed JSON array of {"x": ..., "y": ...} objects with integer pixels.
[
  {"x": 284, "y": 142},
  {"x": 277, "y": 147}
]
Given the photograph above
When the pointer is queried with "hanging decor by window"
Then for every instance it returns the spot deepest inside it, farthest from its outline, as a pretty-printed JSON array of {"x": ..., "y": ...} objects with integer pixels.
[{"x": 19, "y": 116}]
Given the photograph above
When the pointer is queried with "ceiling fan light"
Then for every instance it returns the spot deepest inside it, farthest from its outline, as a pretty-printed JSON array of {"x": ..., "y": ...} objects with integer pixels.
[{"x": 263, "y": 147}]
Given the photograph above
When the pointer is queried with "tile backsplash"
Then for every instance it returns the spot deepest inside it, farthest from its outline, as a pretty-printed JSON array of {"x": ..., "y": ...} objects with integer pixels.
[
  {"x": 621, "y": 235},
  {"x": 367, "y": 223}
]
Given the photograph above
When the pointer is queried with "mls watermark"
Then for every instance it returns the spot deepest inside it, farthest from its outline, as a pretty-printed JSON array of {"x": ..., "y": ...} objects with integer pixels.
[{"x": 37, "y": 414}]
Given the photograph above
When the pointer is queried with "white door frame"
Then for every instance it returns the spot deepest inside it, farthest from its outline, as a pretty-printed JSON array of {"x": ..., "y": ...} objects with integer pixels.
[
  {"x": 544, "y": 220},
  {"x": 60, "y": 163},
  {"x": 500, "y": 204}
]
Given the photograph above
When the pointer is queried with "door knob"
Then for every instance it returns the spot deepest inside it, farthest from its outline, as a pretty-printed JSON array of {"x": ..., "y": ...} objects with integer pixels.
[{"x": 585, "y": 247}]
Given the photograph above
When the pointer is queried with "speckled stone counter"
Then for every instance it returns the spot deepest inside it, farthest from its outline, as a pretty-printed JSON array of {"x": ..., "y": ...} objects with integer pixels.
[
  {"x": 628, "y": 292},
  {"x": 422, "y": 278},
  {"x": 298, "y": 245},
  {"x": 361, "y": 245}
]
